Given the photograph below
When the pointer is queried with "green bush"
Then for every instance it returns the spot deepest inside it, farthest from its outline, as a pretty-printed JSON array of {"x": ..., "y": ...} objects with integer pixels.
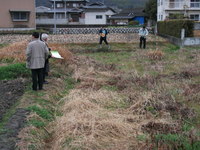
[
  {"x": 173, "y": 27},
  {"x": 14, "y": 71},
  {"x": 133, "y": 23}
]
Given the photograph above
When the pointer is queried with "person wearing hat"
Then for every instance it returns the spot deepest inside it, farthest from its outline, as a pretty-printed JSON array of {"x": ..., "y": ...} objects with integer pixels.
[
  {"x": 143, "y": 32},
  {"x": 44, "y": 38},
  {"x": 36, "y": 54}
]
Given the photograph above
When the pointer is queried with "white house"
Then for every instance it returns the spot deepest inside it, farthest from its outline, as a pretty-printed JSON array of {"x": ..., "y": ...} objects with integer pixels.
[
  {"x": 167, "y": 9},
  {"x": 97, "y": 13}
]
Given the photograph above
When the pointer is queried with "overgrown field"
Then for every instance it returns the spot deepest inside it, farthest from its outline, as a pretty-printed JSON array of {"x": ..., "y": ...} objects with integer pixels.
[{"x": 119, "y": 99}]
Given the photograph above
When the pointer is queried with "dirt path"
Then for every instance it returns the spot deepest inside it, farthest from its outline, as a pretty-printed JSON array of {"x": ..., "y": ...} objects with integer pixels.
[{"x": 10, "y": 92}]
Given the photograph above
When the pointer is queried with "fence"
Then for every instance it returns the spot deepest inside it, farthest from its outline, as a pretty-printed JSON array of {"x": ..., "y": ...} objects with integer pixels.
[{"x": 96, "y": 30}]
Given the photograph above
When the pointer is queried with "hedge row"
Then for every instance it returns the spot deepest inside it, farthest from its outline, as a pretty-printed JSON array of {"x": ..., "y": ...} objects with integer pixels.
[{"x": 173, "y": 27}]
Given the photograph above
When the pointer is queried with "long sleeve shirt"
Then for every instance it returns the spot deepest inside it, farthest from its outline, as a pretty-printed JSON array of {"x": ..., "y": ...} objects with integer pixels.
[
  {"x": 36, "y": 54},
  {"x": 143, "y": 32}
]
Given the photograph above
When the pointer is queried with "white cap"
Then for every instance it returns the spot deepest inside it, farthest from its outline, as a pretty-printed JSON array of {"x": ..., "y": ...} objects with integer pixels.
[{"x": 44, "y": 36}]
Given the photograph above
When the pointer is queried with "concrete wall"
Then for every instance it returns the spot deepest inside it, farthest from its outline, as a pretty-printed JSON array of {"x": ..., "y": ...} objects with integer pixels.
[{"x": 18, "y": 5}]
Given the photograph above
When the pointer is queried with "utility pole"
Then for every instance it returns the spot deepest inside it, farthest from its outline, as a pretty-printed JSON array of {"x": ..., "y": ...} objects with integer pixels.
[{"x": 54, "y": 16}]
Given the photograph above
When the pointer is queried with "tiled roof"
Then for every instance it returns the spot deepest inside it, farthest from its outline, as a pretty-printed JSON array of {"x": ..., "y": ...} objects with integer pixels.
[{"x": 129, "y": 13}]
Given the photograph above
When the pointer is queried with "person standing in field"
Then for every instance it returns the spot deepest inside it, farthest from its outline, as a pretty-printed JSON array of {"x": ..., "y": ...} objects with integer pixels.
[
  {"x": 44, "y": 38},
  {"x": 143, "y": 33},
  {"x": 36, "y": 54},
  {"x": 103, "y": 37}
]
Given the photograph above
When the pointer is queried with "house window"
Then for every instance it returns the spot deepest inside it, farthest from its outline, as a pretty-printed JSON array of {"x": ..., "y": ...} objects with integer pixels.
[
  {"x": 59, "y": 5},
  {"x": 75, "y": 5},
  {"x": 60, "y": 15},
  {"x": 19, "y": 16},
  {"x": 194, "y": 17},
  {"x": 195, "y": 3},
  {"x": 99, "y": 17}
]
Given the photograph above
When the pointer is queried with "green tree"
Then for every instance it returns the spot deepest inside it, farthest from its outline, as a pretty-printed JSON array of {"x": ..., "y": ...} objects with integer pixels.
[{"x": 151, "y": 9}]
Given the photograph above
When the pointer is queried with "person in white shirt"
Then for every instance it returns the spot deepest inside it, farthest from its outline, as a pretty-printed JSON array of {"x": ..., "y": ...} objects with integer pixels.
[{"x": 143, "y": 32}]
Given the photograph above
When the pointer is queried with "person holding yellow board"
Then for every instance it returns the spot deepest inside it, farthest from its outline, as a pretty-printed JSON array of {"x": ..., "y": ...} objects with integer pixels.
[{"x": 103, "y": 37}]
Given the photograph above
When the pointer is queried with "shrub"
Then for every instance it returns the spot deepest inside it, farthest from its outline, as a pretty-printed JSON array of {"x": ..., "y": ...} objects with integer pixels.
[
  {"x": 173, "y": 27},
  {"x": 133, "y": 23},
  {"x": 13, "y": 71}
]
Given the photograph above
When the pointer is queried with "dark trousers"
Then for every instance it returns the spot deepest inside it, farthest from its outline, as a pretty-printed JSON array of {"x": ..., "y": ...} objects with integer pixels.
[
  {"x": 143, "y": 41},
  {"x": 37, "y": 78},
  {"x": 45, "y": 69},
  {"x": 103, "y": 39}
]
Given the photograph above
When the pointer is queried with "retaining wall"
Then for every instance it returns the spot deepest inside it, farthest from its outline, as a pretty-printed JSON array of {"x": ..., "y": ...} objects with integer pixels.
[{"x": 82, "y": 38}]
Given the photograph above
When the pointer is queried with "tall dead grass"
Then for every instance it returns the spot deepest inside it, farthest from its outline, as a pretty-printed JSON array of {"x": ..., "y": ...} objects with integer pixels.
[
  {"x": 155, "y": 55},
  {"x": 87, "y": 125},
  {"x": 15, "y": 52}
]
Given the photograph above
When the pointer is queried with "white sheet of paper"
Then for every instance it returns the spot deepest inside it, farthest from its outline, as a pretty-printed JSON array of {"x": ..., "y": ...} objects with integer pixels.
[{"x": 55, "y": 54}]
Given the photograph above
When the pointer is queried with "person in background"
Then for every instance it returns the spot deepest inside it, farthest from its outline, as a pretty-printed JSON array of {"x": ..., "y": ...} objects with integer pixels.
[
  {"x": 36, "y": 54},
  {"x": 143, "y": 32},
  {"x": 103, "y": 37},
  {"x": 44, "y": 38}
]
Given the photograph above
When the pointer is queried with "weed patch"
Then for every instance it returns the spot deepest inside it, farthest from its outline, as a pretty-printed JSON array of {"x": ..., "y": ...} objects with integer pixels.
[
  {"x": 13, "y": 71},
  {"x": 43, "y": 113}
]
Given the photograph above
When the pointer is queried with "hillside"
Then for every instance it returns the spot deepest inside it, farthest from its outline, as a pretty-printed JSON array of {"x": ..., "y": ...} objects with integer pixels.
[{"x": 119, "y": 3}]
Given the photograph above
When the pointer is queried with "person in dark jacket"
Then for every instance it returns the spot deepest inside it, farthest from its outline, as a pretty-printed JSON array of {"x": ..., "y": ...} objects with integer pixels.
[
  {"x": 44, "y": 38},
  {"x": 36, "y": 54},
  {"x": 103, "y": 37}
]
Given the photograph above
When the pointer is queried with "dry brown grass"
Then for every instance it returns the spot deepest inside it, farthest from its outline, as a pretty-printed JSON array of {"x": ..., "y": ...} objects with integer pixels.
[
  {"x": 155, "y": 55},
  {"x": 16, "y": 52},
  {"x": 67, "y": 55},
  {"x": 89, "y": 126}
]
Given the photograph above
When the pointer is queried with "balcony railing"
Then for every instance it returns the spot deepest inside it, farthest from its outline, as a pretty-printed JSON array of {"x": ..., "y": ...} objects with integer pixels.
[
  {"x": 182, "y": 5},
  {"x": 51, "y": 21},
  {"x": 175, "y": 5},
  {"x": 195, "y": 5}
]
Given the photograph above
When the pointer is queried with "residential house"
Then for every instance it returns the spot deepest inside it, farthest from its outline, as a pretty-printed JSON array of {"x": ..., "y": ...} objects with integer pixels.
[
  {"x": 97, "y": 13},
  {"x": 73, "y": 12},
  {"x": 172, "y": 9},
  {"x": 127, "y": 15},
  {"x": 17, "y": 14}
]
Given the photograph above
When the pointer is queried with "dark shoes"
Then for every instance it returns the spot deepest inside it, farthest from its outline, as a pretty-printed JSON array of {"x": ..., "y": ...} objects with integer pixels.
[{"x": 45, "y": 82}]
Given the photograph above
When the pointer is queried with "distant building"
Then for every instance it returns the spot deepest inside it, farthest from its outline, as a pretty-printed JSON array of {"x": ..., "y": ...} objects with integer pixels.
[
  {"x": 175, "y": 9},
  {"x": 127, "y": 15},
  {"x": 17, "y": 14},
  {"x": 73, "y": 12}
]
